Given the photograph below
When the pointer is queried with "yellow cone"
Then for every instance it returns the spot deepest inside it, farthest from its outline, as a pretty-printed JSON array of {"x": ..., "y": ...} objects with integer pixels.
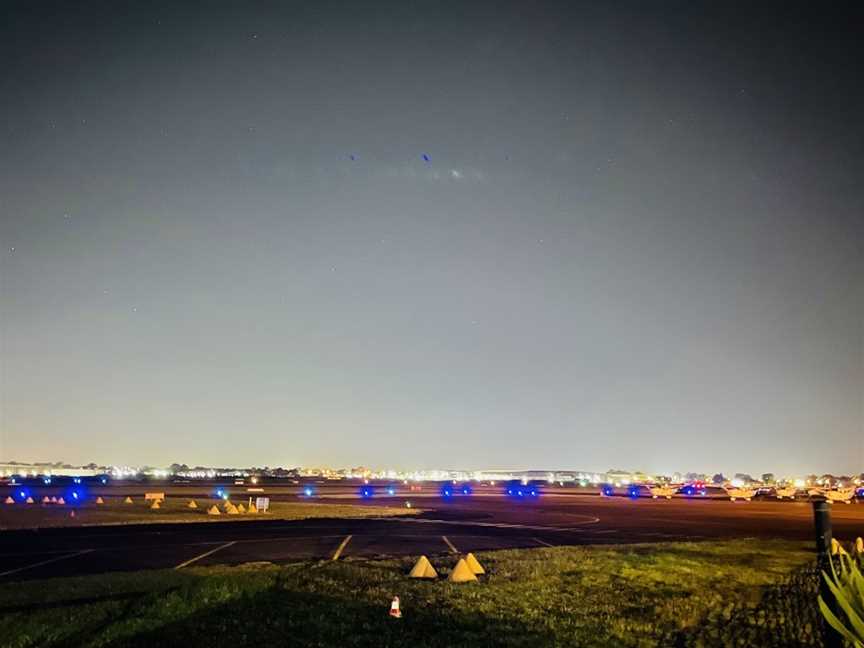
[
  {"x": 240, "y": 508},
  {"x": 474, "y": 564},
  {"x": 230, "y": 509},
  {"x": 60, "y": 501},
  {"x": 461, "y": 573},
  {"x": 214, "y": 510},
  {"x": 155, "y": 505},
  {"x": 252, "y": 508},
  {"x": 192, "y": 504},
  {"x": 128, "y": 500},
  {"x": 423, "y": 569},
  {"x": 99, "y": 500},
  {"x": 859, "y": 545},
  {"x": 9, "y": 500}
]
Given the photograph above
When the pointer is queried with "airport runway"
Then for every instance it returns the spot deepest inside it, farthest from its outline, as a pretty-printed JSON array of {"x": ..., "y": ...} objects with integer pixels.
[{"x": 460, "y": 524}]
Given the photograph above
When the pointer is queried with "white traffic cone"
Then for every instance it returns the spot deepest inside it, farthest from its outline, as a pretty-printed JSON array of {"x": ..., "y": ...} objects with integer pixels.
[{"x": 394, "y": 608}]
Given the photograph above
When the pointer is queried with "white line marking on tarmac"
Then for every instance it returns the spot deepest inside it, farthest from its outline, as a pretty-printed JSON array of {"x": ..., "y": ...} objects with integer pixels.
[
  {"x": 495, "y": 525},
  {"x": 341, "y": 547},
  {"x": 453, "y": 548},
  {"x": 204, "y": 555},
  {"x": 45, "y": 562},
  {"x": 539, "y": 541}
]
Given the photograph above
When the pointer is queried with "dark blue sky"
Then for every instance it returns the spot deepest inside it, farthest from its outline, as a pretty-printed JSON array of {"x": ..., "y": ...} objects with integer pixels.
[{"x": 635, "y": 240}]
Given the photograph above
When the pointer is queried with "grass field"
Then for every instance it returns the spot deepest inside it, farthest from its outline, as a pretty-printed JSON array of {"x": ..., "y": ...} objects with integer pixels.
[
  {"x": 632, "y": 595},
  {"x": 114, "y": 511}
]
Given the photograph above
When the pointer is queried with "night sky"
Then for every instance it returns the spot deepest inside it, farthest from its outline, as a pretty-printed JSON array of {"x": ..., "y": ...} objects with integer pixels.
[{"x": 430, "y": 234}]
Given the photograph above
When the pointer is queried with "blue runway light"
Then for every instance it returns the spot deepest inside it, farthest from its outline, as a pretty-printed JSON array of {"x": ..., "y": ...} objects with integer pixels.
[
  {"x": 607, "y": 490},
  {"x": 391, "y": 491},
  {"x": 466, "y": 489},
  {"x": 446, "y": 492},
  {"x": 367, "y": 492}
]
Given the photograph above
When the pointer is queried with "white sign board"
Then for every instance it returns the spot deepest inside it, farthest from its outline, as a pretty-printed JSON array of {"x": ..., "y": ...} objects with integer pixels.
[{"x": 262, "y": 504}]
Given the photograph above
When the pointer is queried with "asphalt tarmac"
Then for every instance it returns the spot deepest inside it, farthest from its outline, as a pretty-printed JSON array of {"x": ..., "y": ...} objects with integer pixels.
[{"x": 482, "y": 521}]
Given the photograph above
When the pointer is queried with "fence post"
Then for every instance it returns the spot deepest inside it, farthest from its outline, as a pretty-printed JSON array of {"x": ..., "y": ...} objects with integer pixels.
[{"x": 822, "y": 523}]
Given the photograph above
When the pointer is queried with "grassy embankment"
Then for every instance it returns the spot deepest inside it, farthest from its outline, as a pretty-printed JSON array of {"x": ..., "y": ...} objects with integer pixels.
[
  {"x": 114, "y": 511},
  {"x": 576, "y": 596}
]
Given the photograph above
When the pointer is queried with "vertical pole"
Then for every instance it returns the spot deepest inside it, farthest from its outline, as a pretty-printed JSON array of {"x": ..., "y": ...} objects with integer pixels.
[{"x": 822, "y": 524}]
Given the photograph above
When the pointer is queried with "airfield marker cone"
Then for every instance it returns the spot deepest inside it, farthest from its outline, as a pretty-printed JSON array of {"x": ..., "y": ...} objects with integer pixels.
[
  {"x": 395, "y": 612},
  {"x": 128, "y": 500},
  {"x": 252, "y": 507},
  {"x": 155, "y": 505},
  {"x": 213, "y": 510},
  {"x": 240, "y": 508},
  {"x": 71, "y": 514},
  {"x": 192, "y": 504},
  {"x": 45, "y": 500},
  {"x": 54, "y": 499},
  {"x": 461, "y": 573},
  {"x": 99, "y": 500},
  {"x": 230, "y": 509},
  {"x": 9, "y": 500},
  {"x": 474, "y": 564},
  {"x": 29, "y": 500},
  {"x": 60, "y": 501},
  {"x": 423, "y": 569}
]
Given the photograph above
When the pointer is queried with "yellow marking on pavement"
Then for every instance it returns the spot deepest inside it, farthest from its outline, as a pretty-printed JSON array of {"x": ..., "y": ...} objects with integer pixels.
[
  {"x": 204, "y": 555},
  {"x": 45, "y": 562},
  {"x": 446, "y": 540},
  {"x": 341, "y": 547}
]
